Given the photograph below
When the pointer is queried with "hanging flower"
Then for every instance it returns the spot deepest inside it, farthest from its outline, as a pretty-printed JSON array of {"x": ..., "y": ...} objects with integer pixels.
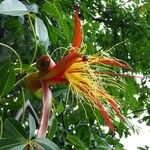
[{"x": 79, "y": 71}]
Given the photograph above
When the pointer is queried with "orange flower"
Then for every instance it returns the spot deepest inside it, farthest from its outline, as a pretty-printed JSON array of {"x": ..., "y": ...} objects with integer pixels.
[{"x": 79, "y": 72}]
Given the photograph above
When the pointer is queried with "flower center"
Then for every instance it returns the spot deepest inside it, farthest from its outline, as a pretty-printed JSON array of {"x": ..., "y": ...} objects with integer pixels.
[{"x": 43, "y": 63}]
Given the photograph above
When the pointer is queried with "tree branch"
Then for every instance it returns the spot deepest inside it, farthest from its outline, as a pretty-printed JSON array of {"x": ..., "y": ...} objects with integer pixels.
[{"x": 140, "y": 110}]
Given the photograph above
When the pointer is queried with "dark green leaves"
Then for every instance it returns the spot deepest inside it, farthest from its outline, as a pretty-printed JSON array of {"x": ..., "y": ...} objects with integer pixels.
[
  {"x": 32, "y": 126},
  {"x": 14, "y": 129},
  {"x": 47, "y": 144},
  {"x": 76, "y": 141},
  {"x": 71, "y": 124},
  {"x": 60, "y": 107},
  {"x": 53, "y": 127},
  {"x": 19, "y": 147},
  {"x": 7, "y": 78},
  {"x": 56, "y": 12},
  {"x": 15, "y": 137},
  {"x": 7, "y": 144}
]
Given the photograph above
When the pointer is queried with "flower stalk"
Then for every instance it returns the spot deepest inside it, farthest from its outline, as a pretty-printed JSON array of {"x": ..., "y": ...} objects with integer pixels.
[{"x": 46, "y": 109}]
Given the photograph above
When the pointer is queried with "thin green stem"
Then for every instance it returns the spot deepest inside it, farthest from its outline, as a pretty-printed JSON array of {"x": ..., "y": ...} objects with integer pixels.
[
  {"x": 20, "y": 81},
  {"x": 14, "y": 51},
  {"x": 28, "y": 1},
  {"x": 98, "y": 122},
  {"x": 67, "y": 99},
  {"x": 86, "y": 116},
  {"x": 1, "y": 127},
  {"x": 23, "y": 96},
  {"x": 36, "y": 41},
  {"x": 59, "y": 48}
]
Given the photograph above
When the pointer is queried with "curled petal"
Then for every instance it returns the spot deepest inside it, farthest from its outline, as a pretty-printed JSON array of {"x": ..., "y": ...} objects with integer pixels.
[
  {"x": 60, "y": 68},
  {"x": 32, "y": 82},
  {"x": 108, "y": 61},
  {"x": 114, "y": 62},
  {"x": 118, "y": 74},
  {"x": 115, "y": 108},
  {"x": 44, "y": 63},
  {"x": 93, "y": 99},
  {"x": 105, "y": 115},
  {"x": 112, "y": 103},
  {"x": 56, "y": 80},
  {"x": 77, "y": 37}
]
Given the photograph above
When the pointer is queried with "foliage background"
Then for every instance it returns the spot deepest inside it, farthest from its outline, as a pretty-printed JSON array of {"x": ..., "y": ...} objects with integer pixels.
[{"x": 44, "y": 26}]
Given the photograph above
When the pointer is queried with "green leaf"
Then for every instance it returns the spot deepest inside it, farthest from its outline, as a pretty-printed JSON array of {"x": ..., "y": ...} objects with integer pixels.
[
  {"x": 1, "y": 126},
  {"x": 53, "y": 126},
  {"x": 13, "y": 128},
  {"x": 56, "y": 12},
  {"x": 75, "y": 141},
  {"x": 60, "y": 107},
  {"x": 7, "y": 143},
  {"x": 101, "y": 142},
  {"x": 12, "y": 8},
  {"x": 7, "y": 78},
  {"x": 47, "y": 144},
  {"x": 3, "y": 69},
  {"x": 41, "y": 32},
  {"x": 15, "y": 136},
  {"x": 3, "y": 54},
  {"x": 9, "y": 82},
  {"x": 19, "y": 147},
  {"x": 80, "y": 133},
  {"x": 59, "y": 92},
  {"x": 32, "y": 126}
]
